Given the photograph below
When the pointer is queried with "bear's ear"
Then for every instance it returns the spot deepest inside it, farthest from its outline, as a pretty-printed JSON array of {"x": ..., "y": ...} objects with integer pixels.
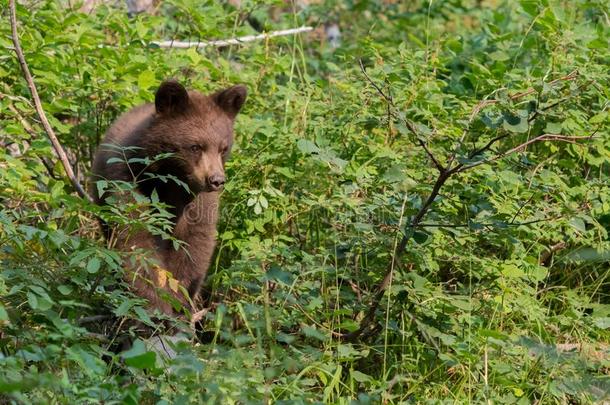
[
  {"x": 231, "y": 99},
  {"x": 171, "y": 98}
]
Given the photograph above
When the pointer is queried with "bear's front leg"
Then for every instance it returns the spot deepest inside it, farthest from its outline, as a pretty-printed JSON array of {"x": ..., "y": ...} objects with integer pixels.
[{"x": 196, "y": 227}]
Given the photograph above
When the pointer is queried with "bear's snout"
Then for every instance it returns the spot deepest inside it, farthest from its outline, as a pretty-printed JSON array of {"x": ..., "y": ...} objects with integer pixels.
[{"x": 216, "y": 181}]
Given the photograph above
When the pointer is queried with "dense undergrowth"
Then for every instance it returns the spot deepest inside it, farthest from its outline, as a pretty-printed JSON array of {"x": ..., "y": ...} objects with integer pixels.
[{"x": 503, "y": 295}]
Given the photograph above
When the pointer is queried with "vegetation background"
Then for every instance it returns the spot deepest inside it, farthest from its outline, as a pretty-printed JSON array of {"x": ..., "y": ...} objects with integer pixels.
[{"x": 496, "y": 290}]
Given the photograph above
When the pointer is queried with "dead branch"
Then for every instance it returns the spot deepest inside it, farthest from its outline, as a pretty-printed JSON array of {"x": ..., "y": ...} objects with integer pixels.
[
  {"x": 591, "y": 351},
  {"x": 550, "y": 251},
  {"x": 231, "y": 41},
  {"x": 38, "y": 105}
]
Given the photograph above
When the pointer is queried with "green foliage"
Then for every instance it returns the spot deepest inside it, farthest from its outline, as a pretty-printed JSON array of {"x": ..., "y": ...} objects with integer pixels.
[{"x": 502, "y": 295}]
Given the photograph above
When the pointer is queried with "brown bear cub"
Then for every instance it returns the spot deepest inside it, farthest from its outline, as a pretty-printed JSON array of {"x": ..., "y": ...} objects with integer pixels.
[{"x": 173, "y": 150}]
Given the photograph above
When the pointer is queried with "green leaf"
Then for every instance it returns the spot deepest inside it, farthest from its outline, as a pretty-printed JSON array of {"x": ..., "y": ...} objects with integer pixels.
[
  {"x": 553, "y": 128},
  {"x": 420, "y": 237},
  {"x": 263, "y": 202},
  {"x": 193, "y": 55},
  {"x": 360, "y": 377},
  {"x": 3, "y": 313},
  {"x": 146, "y": 79},
  {"x": 143, "y": 316},
  {"x": 499, "y": 56},
  {"x": 101, "y": 186},
  {"x": 599, "y": 118},
  {"x": 347, "y": 352},
  {"x": 578, "y": 224},
  {"x": 93, "y": 265},
  {"x": 530, "y": 6},
  {"x": 32, "y": 300},
  {"x": 538, "y": 273},
  {"x": 515, "y": 123},
  {"x": 275, "y": 273},
  {"x": 124, "y": 308},
  {"x": 394, "y": 174},
  {"x": 308, "y": 147},
  {"x": 602, "y": 323},
  {"x": 512, "y": 271},
  {"x": 139, "y": 357},
  {"x": 64, "y": 289},
  {"x": 312, "y": 332}
]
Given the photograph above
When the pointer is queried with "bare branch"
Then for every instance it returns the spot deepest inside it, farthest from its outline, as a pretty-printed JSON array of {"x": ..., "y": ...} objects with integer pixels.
[
  {"x": 38, "y": 105},
  {"x": 486, "y": 103},
  {"x": 570, "y": 76},
  {"x": 231, "y": 41},
  {"x": 546, "y": 255},
  {"x": 424, "y": 145},
  {"x": 475, "y": 111},
  {"x": 487, "y": 146},
  {"x": 545, "y": 137},
  {"x": 372, "y": 82},
  {"x": 521, "y": 207},
  {"x": 489, "y": 224}
]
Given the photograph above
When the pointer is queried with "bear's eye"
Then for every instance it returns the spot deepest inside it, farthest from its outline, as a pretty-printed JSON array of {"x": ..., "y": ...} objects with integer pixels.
[
  {"x": 224, "y": 150},
  {"x": 196, "y": 148}
]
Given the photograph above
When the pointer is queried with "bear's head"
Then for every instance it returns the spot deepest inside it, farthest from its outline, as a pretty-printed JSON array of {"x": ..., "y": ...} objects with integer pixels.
[{"x": 197, "y": 130}]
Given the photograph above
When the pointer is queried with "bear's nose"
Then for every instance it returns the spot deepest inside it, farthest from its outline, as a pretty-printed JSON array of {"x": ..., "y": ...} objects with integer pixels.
[{"x": 216, "y": 181}]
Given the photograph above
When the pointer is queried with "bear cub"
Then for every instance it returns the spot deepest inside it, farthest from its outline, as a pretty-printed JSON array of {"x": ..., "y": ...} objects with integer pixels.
[{"x": 173, "y": 150}]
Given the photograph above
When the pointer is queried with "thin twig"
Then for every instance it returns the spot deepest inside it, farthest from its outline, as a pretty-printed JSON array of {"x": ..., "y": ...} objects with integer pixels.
[
  {"x": 38, "y": 105},
  {"x": 390, "y": 102},
  {"x": 93, "y": 319},
  {"x": 231, "y": 41},
  {"x": 486, "y": 103},
  {"x": 570, "y": 76},
  {"x": 475, "y": 111},
  {"x": 424, "y": 146},
  {"x": 372, "y": 82},
  {"x": 555, "y": 104},
  {"x": 521, "y": 207},
  {"x": 444, "y": 175},
  {"x": 487, "y": 146},
  {"x": 486, "y": 224},
  {"x": 545, "y": 137}
]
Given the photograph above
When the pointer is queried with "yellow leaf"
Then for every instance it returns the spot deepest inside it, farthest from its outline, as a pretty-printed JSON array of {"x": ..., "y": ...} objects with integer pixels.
[
  {"x": 173, "y": 285},
  {"x": 161, "y": 276}
]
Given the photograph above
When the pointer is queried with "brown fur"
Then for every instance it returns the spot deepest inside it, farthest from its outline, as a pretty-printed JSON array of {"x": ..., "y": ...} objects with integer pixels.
[{"x": 198, "y": 131}]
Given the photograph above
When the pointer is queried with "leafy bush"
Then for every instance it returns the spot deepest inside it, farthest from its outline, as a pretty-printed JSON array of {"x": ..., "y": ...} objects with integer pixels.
[{"x": 502, "y": 292}]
